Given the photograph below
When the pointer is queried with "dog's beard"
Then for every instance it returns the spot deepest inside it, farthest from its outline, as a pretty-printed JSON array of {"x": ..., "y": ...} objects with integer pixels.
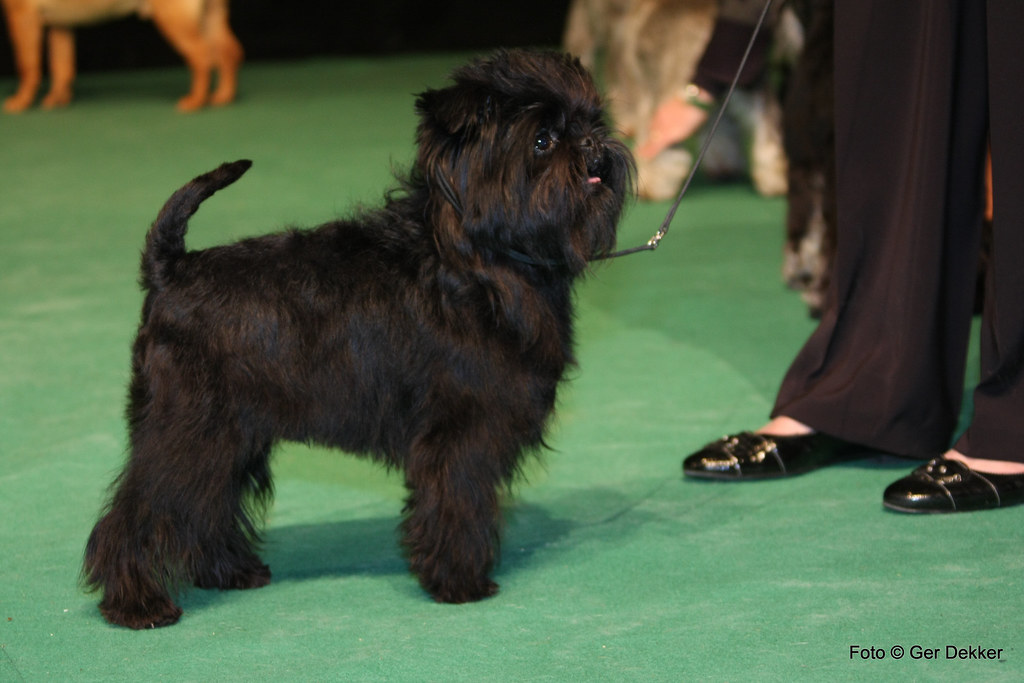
[
  {"x": 522, "y": 164},
  {"x": 551, "y": 206}
]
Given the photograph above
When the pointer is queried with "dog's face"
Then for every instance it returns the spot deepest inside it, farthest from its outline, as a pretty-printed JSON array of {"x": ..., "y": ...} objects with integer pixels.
[{"x": 520, "y": 161}]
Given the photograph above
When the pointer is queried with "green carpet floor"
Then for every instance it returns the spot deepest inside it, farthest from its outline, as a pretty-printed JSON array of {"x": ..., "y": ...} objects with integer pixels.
[{"x": 614, "y": 568}]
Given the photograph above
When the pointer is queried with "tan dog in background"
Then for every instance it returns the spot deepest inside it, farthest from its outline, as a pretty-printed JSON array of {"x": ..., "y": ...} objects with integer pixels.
[{"x": 196, "y": 29}]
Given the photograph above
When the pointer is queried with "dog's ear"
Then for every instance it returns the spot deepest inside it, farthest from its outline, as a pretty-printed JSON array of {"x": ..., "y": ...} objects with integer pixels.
[
  {"x": 455, "y": 110},
  {"x": 450, "y": 119}
]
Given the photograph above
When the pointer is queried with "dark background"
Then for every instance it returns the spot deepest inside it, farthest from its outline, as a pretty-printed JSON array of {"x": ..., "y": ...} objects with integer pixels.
[{"x": 309, "y": 28}]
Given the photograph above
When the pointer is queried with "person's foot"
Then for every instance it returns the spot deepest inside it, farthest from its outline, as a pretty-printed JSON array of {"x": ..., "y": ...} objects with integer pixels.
[
  {"x": 782, "y": 448},
  {"x": 675, "y": 120},
  {"x": 954, "y": 483}
]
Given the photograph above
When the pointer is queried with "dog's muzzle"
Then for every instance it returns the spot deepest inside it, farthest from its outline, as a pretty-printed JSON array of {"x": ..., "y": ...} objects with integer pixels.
[{"x": 594, "y": 156}]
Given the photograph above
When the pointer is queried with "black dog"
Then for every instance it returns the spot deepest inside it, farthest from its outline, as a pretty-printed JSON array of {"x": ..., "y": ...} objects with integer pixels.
[{"x": 430, "y": 335}]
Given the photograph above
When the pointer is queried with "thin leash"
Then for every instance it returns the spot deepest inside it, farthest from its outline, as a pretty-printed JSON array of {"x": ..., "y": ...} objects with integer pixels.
[{"x": 653, "y": 243}]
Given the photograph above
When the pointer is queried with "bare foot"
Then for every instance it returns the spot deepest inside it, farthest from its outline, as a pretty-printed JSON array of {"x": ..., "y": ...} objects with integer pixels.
[
  {"x": 785, "y": 426},
  {"x": 986, "y": 466}
]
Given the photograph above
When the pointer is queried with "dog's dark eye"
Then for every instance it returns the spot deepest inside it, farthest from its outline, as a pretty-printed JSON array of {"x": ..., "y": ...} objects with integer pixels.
[{"x": 543, "y": 142}]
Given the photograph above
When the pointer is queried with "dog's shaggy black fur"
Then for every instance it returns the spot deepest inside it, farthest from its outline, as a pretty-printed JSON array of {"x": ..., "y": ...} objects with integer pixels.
[{"x": 430, "y": 335}]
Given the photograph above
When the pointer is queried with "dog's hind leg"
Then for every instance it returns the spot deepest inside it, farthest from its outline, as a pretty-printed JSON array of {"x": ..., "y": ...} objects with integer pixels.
[
  {"x": 181, "y": 25},
  {"x": 227, "y": 52},
  {"x": 212, "y": 482},
  {"x": 119, "y": 561},
  {"x": 227, "y": 558},
  {"x": 451, "y": 525},
  {"x": 182, "y": 509}
]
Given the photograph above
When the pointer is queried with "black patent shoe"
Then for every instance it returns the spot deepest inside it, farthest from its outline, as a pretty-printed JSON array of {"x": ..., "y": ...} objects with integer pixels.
[
  {"x": 946, "y": 485},
  {"x": 753, "y": 456}
]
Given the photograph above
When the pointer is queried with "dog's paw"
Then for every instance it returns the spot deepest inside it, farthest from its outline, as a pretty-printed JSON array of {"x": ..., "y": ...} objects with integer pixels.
[
  {"x": 221, "y": 97},
  {"x": 154, "y": 614},
  {"x": 192, "y": 102},
  {"x": 18, "y": 102},
  {"x": 57, "y": 98},
  {"x": 461, "y": 593}
]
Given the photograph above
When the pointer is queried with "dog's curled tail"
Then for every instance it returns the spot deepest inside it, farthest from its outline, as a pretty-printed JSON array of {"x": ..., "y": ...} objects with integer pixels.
[{"x": 165, "y": 242}]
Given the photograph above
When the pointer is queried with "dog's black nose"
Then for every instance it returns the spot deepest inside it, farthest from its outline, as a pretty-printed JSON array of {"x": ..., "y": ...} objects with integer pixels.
[
  {"x": 591, "y": 145},
  {"x": 593, "y": 154}
]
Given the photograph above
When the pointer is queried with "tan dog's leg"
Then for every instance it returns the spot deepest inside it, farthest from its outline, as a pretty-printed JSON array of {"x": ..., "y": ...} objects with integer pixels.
[
  {"x": 227, "y": 52},
  {"x": 26, "y": 29},
  {"x": 181, "y": 25},
  {"x": 62, "y": 67}
]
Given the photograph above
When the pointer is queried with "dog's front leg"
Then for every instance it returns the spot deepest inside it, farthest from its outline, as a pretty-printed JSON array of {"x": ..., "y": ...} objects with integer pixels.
[
  {"x": 26, "y": 29},
  {"x": 61, "y": 42},
  {"x": 450, "y": 530}
]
